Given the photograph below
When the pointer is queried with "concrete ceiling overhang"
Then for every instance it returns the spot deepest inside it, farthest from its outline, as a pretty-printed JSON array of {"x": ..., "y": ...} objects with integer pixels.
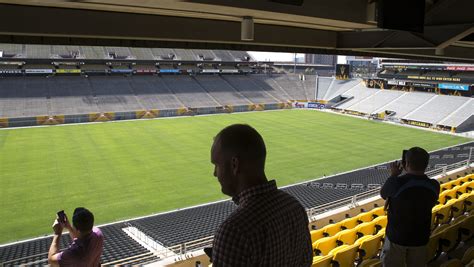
[{"x": 336, "y": 26}]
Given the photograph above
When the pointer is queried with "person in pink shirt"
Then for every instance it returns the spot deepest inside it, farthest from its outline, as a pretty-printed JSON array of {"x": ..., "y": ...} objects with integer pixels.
[{"x": 87, "y": 245}]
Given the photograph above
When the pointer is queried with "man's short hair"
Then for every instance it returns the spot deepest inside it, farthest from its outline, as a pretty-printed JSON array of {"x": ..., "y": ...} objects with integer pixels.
[
  {"x": 418, "y": 158},
  {"x": 83, "y": 219},
  {"x": 243, "y": 141}
]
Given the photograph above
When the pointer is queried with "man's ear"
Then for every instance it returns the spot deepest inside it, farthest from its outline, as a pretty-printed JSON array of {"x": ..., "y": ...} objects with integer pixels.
[{"x": 235, "y": 164}]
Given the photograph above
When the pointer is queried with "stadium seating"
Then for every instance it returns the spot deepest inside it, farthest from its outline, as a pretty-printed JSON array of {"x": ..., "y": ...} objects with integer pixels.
[
  {"x": 407, "y": 103},
  {"x": 437, "y": 109},
  {"x": 359, "y": 238}
]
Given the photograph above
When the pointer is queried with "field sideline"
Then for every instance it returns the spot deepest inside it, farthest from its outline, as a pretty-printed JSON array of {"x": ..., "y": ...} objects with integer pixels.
[{"x": 135, "y": 168}]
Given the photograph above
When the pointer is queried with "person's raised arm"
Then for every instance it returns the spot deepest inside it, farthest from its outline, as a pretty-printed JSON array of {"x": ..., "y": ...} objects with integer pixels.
[
  {"x": 390, "y": 187},
  {"x": 53, "y": 254},
  {"x": 72, "y": 232}
]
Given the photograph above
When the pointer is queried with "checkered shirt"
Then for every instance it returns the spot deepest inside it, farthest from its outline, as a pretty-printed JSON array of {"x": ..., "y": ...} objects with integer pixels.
[{"x": 269, "y": 228}]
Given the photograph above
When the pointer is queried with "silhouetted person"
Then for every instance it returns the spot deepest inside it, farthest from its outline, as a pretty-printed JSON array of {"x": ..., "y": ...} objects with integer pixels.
[
  {"x": 87, "y": 245},
  {"x": 410, "y": 199},
  {"x": 269, "y": 227}
]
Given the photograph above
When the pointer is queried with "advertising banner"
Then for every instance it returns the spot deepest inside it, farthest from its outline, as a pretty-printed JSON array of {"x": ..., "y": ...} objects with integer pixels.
[
  {"x": 454, "y": 86},
  {"x": 428, "y": 85},
  {"x": 316, "y": 105},
  {"x": 68, "y": 71},
  {"x": 434, "y": 78},
  {"x": 168, "y": 71},
  {"x": 121, "y": 71},
  {"x": 392, "y": 82},
  {"x": 210, "y": 71},
  {"x": 38, "y": 71},
  {"x": 146, "y": 71},
  {"x": 460, "y": 68},
  {"x": 10, "y": 72},
  {"x": 230, "y": 71},
  {"x": 95, "y": 71}
]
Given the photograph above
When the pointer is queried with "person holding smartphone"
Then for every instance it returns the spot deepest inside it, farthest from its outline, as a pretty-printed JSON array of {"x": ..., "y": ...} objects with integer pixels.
[
  {"x": 409, "y": 201},
  {"x": 88, "y": 241}
]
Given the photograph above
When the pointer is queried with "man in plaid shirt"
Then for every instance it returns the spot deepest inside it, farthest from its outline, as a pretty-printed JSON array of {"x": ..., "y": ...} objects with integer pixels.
[{"x": 269, "y": 227}]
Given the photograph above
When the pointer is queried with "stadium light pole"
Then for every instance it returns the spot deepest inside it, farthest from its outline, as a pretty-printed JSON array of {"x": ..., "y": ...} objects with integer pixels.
[
  {"x": 294, "y": 66},
  {"x": 316, "y": 89}
]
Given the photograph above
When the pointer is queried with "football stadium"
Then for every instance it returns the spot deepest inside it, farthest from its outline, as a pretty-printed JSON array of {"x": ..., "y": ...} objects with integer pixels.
[{"x": 125, "y": 127}]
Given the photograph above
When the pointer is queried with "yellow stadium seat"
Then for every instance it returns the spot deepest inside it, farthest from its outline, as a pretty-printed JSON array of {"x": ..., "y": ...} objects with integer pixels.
[
  {"x": 322, "y": 246},
  {"x": 466, "y": 227},
  {"x": 444, "y": 214},
  {"x": 382, "y": 232},
  {"x": 332, "y": 229},
  {"x": 468, "y": 199},
  {"x": 367, "y": 228},
  {"x": 446, "y": 195},
  {"x": 322, "y": 261},
  {"x": 376, "y": 212},
  {"x": 456, "y": 182},
  {"x": 434, "y": 246},
  {"x": 380, "y": 222},
  {"x": 434, "y": 216},
  {"x": 316, "y": 234},
  {"x": 444, "y": 187},
  {"x": 370, "y": 247},
  {"x": 468, "y": 178},
  {"x": 457, "y": 207},
  {"x": 349, "y": 223},
  {"x": 365, "y": 217},
  {"x": 468, "y": 256},
  {"x": 371, "y": 263},
  {"x": 347, "y": 237},
  {"x": 452, "y": 263},
  {"x": 345, "y": 255},
  {"x": 449, "y": 238},
  {"x": 462, "y": 189}
]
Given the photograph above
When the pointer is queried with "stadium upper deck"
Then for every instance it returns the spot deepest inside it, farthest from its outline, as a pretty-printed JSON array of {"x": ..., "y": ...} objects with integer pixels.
[{"x": 15, "y": 52}]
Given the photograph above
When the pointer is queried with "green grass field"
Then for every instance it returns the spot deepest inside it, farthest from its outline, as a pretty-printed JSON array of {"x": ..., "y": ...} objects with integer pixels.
[{"x": 128, "y": 169}]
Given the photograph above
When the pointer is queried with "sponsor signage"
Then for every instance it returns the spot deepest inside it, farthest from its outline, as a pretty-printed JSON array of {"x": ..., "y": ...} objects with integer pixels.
[
  {"x": 146, "y": 71},
  {"x": 210, "y": 71},
  {"x": 64, "y": 71},
  {"x": 121, "y": 71},
  {"x": 316, "y": 105},
  {"x": 454, "y": 86},
  {"x": 38, "y": 71},
  {"x": 94, "y": 71},
  {"x": 430, "y": 78},
  {"x": 230, "y": 71},
  {"x": 461, "y": 68},
  {"x": 1, "y": 53},
  {"x": 10, "y": 71},
  {"x": 392, "y": 82},
  {"x": 423, "y": 85},
  {"x": 168, "y": 71}
]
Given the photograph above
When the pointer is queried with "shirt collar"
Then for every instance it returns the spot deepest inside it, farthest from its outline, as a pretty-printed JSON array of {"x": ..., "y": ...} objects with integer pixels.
[{"x": 243, "y": 197}]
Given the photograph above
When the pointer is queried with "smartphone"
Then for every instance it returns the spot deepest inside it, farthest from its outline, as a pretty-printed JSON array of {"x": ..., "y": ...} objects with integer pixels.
[
  {"x": 61, "y": 216},
  {"x": 404, "y": 153}
]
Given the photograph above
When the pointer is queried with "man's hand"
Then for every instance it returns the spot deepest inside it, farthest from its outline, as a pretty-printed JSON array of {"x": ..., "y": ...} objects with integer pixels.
[
  {"x": 57, "y": 227},
  {"x": 395, "y": 168}
]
